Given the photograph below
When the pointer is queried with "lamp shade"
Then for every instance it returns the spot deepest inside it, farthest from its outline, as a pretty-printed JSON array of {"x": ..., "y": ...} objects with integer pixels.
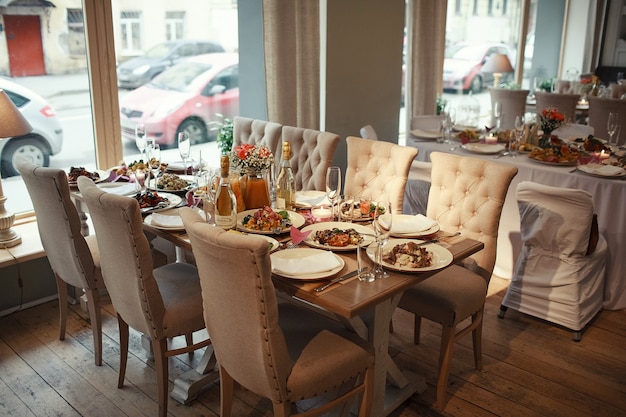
[
  {"x": 12, "y": 122},
  {"x": 497, "y": 63}
]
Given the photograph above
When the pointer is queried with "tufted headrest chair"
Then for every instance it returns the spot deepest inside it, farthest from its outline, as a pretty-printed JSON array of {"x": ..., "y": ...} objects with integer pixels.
[
  {"x": 378, "y": 169},
  {"x": 257, "y": 132},
  {"x": 312, "y": 153},
  {"x": 513, "y": 104},
  {"x": 251, "y": 345},
  {"x": 599, "y": 109},
  {"x": 467, "y": 194}
]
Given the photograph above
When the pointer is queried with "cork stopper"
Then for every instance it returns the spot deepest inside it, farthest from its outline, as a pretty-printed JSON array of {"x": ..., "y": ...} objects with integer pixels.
[
  {"x": 286, "y": 150},
  {"x": 224, "y": 165}
]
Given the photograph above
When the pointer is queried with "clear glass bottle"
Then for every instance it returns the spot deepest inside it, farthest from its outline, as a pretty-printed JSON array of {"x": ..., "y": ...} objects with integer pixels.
[
  {"x": 225, "y": 200},
  {"x": 285, "y": 182}
]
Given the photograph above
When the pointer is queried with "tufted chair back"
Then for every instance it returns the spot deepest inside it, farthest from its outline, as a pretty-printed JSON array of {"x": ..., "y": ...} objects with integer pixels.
[
  {"x": 467, "y": 194},
  {"x": 253, "y": 132},
  {"x": 513, "y": 104},
  {"x": 565, "y": 103},
  {"x": 242, "y": 316},
  {"x": 312, "y": 153},
  {"x": 599, "y": 109},
  {"x": 378, "y": 169}
]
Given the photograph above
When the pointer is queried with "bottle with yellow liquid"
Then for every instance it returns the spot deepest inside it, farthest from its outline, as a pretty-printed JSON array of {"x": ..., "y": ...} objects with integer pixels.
[
  {"x": 225, "y": 201},
  {"x": 286, "y": 182}
]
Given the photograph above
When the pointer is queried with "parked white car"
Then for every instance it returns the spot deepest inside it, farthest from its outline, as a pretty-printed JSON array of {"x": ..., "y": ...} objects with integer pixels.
[{"x": 45, "y": 140}]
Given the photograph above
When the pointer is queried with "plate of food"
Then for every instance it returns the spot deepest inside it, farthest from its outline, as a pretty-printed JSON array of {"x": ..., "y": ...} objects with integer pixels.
[
  {"x": 96, "y": 175},
  {"x": 363, "y": 211},
  {"x": 405, "y": 255},
  {"x": 306, "y": 263},
  {"x": 150, "y": 201},
  {"x": 273, "y": 243},
  {"x": 602, "y": 170},
  {"x": 172, "y": 183},
  {"x": 338, "y": 236},
  {"x": 557, "y": 154},
  {"x": 266, "y": 221},
  {"x": 483, "y": 148}
]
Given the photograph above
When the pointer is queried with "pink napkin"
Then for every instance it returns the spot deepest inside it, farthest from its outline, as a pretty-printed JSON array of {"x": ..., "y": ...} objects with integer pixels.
[{"x": 297, "y": 236}]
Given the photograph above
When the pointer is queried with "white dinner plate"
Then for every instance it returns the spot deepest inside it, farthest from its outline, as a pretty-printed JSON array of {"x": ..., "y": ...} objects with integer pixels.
[
  {"x": 483, "y": 148},
  {"x": 297, "y": 220},
  {"x": 442, "y": 257},
  {"x": 103, "y": 176},
  {"x": 602, "y": 171},
  {"x": 365, "y": 231},
  {"x": 407, "y": 218},
  {"x": 175, "y": 224},
  {"x": 426, "y": 134},
  {"x": 301, "y": 253},
  {"x": 273, "y": 242},
  {"x": 172, "y": 201},
  {"x": 118, "y": 188}
]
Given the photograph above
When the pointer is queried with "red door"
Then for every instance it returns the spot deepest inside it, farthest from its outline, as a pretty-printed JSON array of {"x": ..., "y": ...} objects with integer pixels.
[{"x": 23, "y": 35}]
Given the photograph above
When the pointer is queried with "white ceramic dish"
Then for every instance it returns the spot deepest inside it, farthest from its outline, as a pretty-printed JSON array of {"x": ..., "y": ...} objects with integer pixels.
[
  {"x": 297, "y": 220},
  {"x": 301, "y": 253},
  {"x": 367, "y": 239},
  {"x": 426, "y": 134},
  {"x": 483, "y": 148},
  {"x": 442, "y": 257}
]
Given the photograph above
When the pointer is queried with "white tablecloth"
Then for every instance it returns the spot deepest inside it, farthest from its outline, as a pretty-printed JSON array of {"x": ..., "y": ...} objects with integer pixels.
[{"x": 609, "y": 197}]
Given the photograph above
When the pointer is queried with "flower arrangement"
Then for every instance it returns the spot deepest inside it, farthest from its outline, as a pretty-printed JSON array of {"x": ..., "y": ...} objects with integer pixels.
[
  {"x": 551, "y": 119},
  {"x": 248, "y": 157}
]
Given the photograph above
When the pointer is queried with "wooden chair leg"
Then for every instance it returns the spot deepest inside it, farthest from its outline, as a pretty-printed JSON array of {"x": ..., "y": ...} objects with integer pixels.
[
  {"x": 282, "y": 409},
  {"x": 62, "y": 291},
  {"x": 123, "y": 328},
  {"x": 417, "y": 328},
  {"x": 93, "y": 304},
  {"x": 161, "y": 364},
  {"x": 189, "y": 340},
  {"x": 366, "y": 401},
  {"x": 477, "y": 336},
  {"x": 227, "y": 386},
  {"x": 445, "y": 359}
]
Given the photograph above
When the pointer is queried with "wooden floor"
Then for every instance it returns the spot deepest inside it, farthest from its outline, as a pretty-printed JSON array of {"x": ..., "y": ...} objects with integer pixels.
[{"x": 531, "y": 368}]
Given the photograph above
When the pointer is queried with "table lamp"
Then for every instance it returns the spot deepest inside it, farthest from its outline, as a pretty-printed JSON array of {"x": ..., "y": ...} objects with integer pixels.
[
  {"x": 12, "y": 123},
  {"x": 498, "y": 64}
]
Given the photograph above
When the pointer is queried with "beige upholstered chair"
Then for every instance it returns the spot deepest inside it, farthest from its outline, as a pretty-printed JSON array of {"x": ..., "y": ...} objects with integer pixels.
[
  {"x": 565, "y": 103},
  {"x": 559, "y": 275},
  {"x": 466, "y": 195},
  {"x": 312, "y": 153},
  {"x": 599, "y": 109},
  {"x": 617, "y": 90},
  {"x": 378, "y": 169},
  {"x": 562, "y": 86},
  {"x": 251, "y": 346},
  {"x": 513, "y": 104},
  {"x": 74, "y": 259},
  {"x": 161, "y": 303},
  {"x": 253, "y": 132}
]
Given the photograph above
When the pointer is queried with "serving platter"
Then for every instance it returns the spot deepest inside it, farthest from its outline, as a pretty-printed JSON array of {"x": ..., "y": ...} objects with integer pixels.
[
  {"x": 297, "y": 221},
  {"x": 441, "y": 257},
  {"x": 365, "y": 232},
  {"x": 172, "y": 201},
  {"x": 300, "y": 255},
  {"x": 602, "y": 171},
  {"x": 562, "y": 164}
]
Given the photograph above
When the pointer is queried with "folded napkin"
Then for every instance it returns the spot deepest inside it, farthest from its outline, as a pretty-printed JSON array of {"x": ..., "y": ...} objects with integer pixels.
[
  {"x": 165, "y": 220},
  {"x": 311, "y": 199},
  {"x": 319, "y": 261},
  {"x": 404, "y": 224},
  {"x": 608, "y": 170}
]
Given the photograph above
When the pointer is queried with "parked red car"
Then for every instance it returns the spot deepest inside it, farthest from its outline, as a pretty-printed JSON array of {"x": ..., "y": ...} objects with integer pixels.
[{"x": 191, "y": 96}]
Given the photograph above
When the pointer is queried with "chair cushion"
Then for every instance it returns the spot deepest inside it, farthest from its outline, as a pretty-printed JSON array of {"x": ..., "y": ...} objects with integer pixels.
[{"x": 448, "y": 297}]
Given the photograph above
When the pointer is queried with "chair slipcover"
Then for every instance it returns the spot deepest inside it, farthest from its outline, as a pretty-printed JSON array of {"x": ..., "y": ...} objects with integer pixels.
[
  {"x": 378, "y": 169},
  {"x": 242, "y": 317},
  {"x": 513, "y": 104},
  {"x": 466, "y": 195},
  {"x": 564, "y": 103},
  {"x": 257, "y": 132},
  {"x": 74, "y": 259},
  {"x": 312, "y": 153},
  {"x": 368, "y": 132},
  {"x": 554, "y": 278},
  {"x": 599, "y": 109},
  {"x": 161, "y": 303}
]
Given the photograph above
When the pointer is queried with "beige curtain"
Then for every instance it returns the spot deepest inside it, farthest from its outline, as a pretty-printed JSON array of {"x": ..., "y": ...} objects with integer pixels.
[
  {"x": 292, "y": 63},
  {"x": 426, "y": 37}
]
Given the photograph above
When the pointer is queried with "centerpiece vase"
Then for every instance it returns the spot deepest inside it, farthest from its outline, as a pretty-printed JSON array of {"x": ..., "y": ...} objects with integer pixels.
[{"x": 256, "y": 193}]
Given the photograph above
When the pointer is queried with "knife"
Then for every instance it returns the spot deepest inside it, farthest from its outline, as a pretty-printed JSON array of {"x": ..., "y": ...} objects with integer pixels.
[{"x": 339, "y": 279}]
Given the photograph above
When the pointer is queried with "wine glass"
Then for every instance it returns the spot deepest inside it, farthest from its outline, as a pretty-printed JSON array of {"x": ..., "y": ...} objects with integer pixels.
[
  {"x": 140, "y": 138},
  {"x": 448, "y": 124},
  {"x": 184, "y": 148},
  {"x": 333, "y": 186},
  {"x": 497, "y": 113},
  {"x": 154, "y": 161},
  {"x": 611, "y": 126},
  {"x": 519, "y": 132},
  {"x": 382, "y": 228}
]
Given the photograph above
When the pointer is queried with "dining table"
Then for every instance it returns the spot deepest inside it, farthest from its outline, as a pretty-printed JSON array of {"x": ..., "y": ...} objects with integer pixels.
[
  {"x": 609, "y": 197},
  {"x": 364, "y": 307}
]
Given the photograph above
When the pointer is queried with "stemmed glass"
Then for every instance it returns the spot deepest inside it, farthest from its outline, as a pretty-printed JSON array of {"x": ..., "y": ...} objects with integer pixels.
[
  {"x": 382, "y": 228},
  {"x": 184, "y": 148},
  {"x": 497, "y": 113},
  {"x": 333, "y": 186},
  {"x": 140, "y": 139},
  {"x": 519, "y": 132},
  {"x": 154, "y": 161},
  {"x": 611, "y": 126},
  {"x": 449, "y": 119}
]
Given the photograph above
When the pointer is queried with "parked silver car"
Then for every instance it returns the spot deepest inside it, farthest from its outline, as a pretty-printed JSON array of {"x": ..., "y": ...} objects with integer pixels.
[{"x": 45, "y": 140}]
